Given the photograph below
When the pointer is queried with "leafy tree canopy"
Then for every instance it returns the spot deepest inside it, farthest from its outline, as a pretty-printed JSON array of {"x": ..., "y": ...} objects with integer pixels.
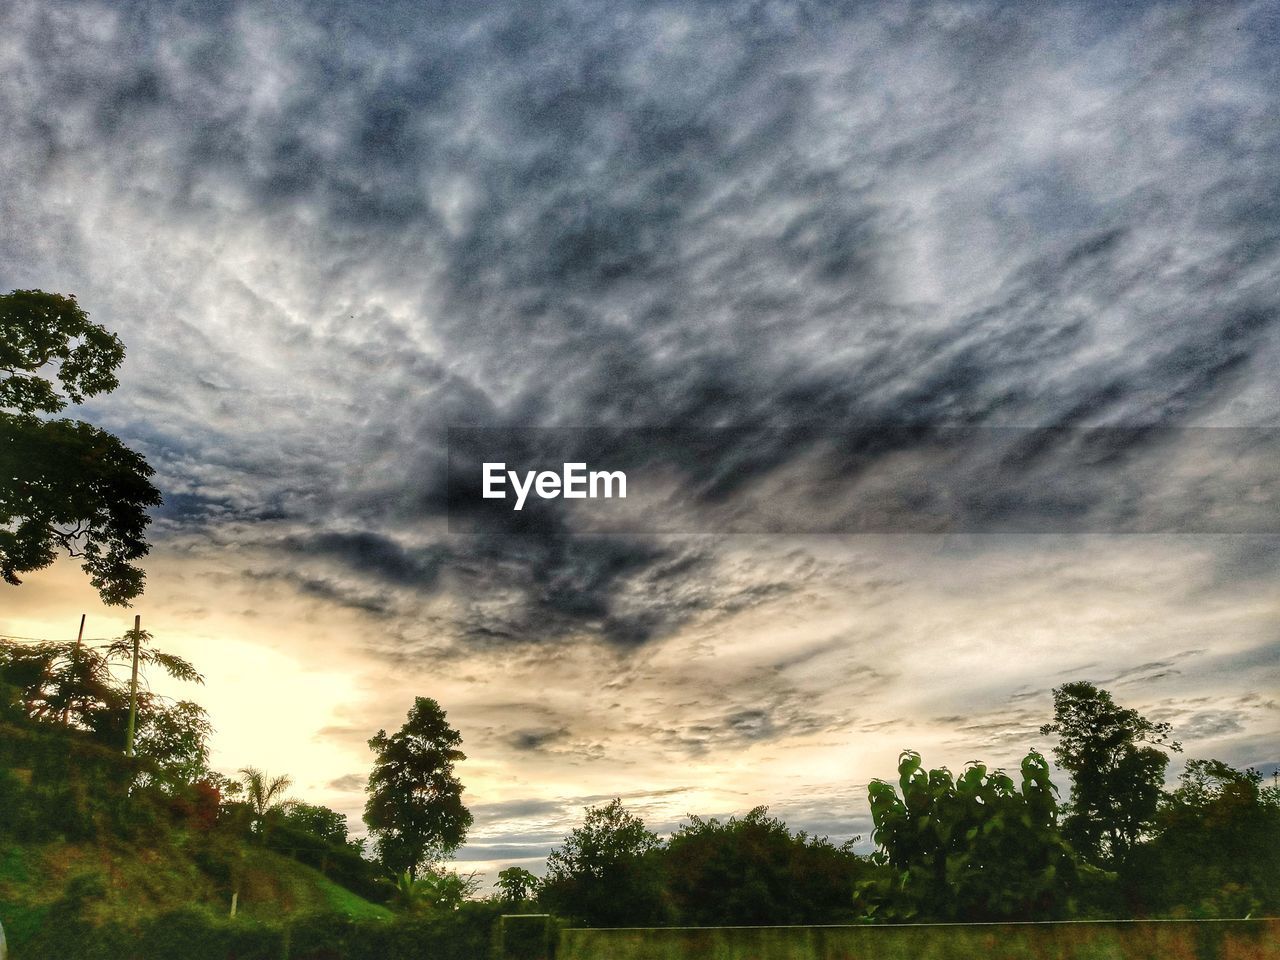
[
  {"x": 516, "y": 884},
  {"x": 319, "y": 821},
  {"x": 64, "y": 484},
  {"x": 607, "y": 872},
  {"x": 85, "y": 687},
  {"x": 39, "y": 330},
  {"x": 754, "y": 871},
  {"x": 1117, "y": 770},
  {"x": 1217, "y": 849},
  {"x": 973, "y": 847},
  {"x": 415, "y": 810}
]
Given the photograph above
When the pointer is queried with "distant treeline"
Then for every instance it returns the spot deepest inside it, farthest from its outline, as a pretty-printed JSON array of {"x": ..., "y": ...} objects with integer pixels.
[{"x": 982, "y": 845}]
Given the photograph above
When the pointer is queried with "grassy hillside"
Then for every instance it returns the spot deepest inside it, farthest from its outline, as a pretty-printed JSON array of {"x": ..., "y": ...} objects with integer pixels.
[{"x": 114, "y": 880}]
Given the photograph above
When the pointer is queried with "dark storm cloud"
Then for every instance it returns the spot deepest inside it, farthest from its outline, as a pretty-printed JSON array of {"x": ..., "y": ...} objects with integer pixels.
[
  {"x": 516, "y": 809},
  {"x": 537, "y": 739},
  {"x": 1209, "y": 724},
  {"x": 378, "y": 556},
  {"x": 789, "y": 219}
]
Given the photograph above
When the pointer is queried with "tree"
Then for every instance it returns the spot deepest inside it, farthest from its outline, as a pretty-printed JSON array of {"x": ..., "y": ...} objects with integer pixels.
[
  {"x": 320, "y": 822},
  {"x": 415, "y": 808},
  {"x": 64, "y": 484},
  {"x": 970, "y": 848},
  {"x": 1217, "y": 850},
  {"x": 84, "y": 687},
  {"x": 317, "y": 836},
  {"x": 754, "y": 871},
  {"x": 607, "y": 872},
  {"x": 516, "y": 884},
  {"x": 1117, "y": 771},
  {"x": 433, "y": 890},
  {"x": 264, "y": 796}
]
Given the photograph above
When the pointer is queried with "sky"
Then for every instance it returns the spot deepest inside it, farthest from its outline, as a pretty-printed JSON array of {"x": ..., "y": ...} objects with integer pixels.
[{"x": 328, "y": 233}]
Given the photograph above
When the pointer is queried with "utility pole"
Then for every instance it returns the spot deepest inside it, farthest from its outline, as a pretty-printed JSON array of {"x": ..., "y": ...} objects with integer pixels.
[
  {"x": 75, "y": 659},
  {"x": 133, "y": 686}
]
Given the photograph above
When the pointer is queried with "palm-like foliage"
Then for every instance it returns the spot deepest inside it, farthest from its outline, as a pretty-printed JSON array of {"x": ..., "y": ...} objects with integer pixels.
[
  {"x": 264, "y": 796},
  {"x": 433, "y": 889},
  {"x": 121, "y": 651},
  {"x": 72, "y": 682},
  {"x": 85, "y": 686}
]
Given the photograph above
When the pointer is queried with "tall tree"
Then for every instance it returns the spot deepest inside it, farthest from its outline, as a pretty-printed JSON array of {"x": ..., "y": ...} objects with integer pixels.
[
  {"x": 1117, "y": 770},
  {"x": 64, "y": 484},
  {"x": 415, "y": 808}
]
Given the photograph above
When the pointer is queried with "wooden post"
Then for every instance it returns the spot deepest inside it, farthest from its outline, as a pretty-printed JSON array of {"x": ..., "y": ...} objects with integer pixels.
[{"x": 133, "y": 686}]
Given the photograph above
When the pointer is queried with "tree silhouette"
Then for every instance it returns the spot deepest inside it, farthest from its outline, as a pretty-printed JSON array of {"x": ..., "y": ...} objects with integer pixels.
[
  {"x": 85, "y": 687},
  {"x": 607, "y": 872},
  {"x": 972, "y": 847},
  {"x": 517, "y": 884},
  {"x": 415, "y": 808},
  {"x": 752, "y": 870},
  {"x": 64, "y": 484},
  {"x": 264, "y": 795},
  {"x": 1117, "y": 770}
]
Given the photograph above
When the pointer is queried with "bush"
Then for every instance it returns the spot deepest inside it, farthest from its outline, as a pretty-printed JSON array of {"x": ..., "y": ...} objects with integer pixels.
[
  {"x": 195, "y": 934},
  {"x": 754, "y": 871},
  {"x": 973, "y": 847}
]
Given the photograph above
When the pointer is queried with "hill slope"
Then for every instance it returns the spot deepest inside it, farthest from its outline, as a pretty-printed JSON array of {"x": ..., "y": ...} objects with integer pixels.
[{"x": 113, "y": 880}]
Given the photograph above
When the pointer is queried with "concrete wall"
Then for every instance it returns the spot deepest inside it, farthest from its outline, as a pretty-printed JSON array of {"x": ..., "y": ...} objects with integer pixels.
[{"x": 1139, "y": 940}]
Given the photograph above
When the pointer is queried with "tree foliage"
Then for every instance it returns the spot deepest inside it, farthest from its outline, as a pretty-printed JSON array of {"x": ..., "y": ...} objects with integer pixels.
[
  {"x": 433, "y": 890},
  {"x": 264, "y": 796},
  {"x": 319, "y": 821},
  {"x": 1216, "y": 854},
  {"x": 753, "y": 871},
  {"x": 607, "y": 871},
  {"x": 39, "y": 330},
  {"x": 415, "y": 810},
  {"x": 85, "y": 687},
  {"x": 973, "y": 847},
  {"x": 516, "y": 885},
  {"x": 64, "y": 484},
  {"x": 1117, "y": 771}
]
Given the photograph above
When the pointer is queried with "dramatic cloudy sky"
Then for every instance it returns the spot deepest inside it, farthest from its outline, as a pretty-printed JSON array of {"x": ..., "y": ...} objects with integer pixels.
[{"x": 329, "y": 232}]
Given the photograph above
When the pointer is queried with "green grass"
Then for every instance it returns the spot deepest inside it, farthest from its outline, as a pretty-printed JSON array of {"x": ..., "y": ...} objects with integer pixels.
[
  {"x": 342, "y": 900},
  {"x": 1104, "y": 940},
  {"x": 21, "y": 918},
  {"x": 130, "y": 884}
]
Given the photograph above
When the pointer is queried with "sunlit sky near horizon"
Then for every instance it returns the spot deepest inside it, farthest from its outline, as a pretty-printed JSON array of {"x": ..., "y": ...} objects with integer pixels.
[{"x": 327, "y": 232}]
